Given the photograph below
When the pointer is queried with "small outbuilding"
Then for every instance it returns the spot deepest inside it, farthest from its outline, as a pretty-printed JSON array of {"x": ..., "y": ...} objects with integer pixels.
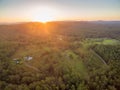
[{"x": 16, "y": 60}]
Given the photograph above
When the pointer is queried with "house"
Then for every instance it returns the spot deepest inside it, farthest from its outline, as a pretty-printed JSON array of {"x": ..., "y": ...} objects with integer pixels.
[{"x": 28, "y": 58}]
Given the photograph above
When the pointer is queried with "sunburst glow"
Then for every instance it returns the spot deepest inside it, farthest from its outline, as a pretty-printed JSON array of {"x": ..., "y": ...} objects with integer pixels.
[{"x": 44, "y": 14}]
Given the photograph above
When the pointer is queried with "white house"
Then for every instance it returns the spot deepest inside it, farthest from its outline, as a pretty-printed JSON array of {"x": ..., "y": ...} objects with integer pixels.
[{"x": 28, "y": 58}]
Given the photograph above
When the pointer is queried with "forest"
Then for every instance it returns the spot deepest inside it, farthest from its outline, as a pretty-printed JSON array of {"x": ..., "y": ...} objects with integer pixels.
[{"x": 63, "y": 55}]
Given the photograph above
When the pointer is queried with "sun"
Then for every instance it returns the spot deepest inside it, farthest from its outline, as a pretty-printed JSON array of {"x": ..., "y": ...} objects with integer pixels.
[
  {"x": 43, "y": 18},
  {"x": 44, "y": 15}
]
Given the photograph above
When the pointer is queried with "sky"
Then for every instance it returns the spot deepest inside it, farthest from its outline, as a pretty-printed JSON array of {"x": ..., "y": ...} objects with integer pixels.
[{"x": 57, "y": 10}]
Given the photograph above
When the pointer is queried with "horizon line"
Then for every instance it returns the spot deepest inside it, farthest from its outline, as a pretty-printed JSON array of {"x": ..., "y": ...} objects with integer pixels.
[{"x": 19, "y": 22}]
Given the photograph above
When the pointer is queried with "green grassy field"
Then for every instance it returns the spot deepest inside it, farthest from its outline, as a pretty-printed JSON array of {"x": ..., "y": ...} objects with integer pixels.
[{"x": 100, "y": 41}]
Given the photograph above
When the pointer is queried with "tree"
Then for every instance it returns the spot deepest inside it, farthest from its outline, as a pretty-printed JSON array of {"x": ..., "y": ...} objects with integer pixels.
[{"x": 38, "y": 88}]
